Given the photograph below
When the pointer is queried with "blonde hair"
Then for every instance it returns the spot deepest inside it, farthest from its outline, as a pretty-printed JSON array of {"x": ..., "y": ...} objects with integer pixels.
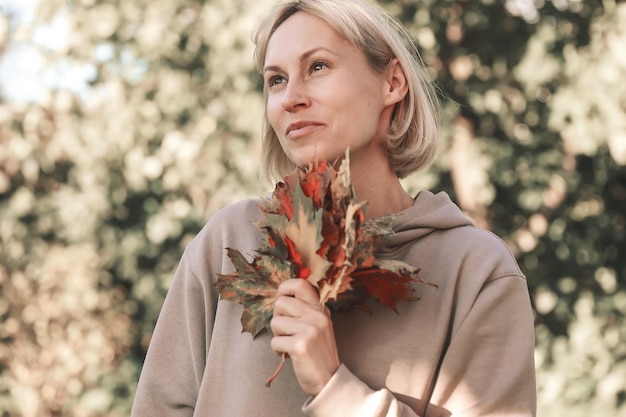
[{"x": 411, "y": 140}]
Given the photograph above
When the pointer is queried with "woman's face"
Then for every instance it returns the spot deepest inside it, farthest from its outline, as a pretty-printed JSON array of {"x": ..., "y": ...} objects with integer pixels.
[{"x": 322, "y": 94}]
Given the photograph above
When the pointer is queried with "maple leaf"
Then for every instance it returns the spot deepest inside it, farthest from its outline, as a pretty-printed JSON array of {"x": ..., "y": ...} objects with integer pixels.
[
  {"x": 304, "y": 230},
  {"x": 386, "y": 282},
  {"x": 254, "y": 286},
  {"x": 315, "y": 182},
  {"x": 315, "y": 230}
]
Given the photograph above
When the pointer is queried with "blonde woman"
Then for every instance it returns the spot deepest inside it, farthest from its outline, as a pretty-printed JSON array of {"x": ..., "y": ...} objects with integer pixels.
[{"x": 338, "y": 74}]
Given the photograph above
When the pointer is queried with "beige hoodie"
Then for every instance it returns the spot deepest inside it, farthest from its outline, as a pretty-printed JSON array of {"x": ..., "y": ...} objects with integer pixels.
[{"x": 464, "y": 349}]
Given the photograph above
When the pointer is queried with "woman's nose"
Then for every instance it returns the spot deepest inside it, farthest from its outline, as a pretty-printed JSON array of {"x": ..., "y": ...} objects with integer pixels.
[{"x": 295, "y": 97}]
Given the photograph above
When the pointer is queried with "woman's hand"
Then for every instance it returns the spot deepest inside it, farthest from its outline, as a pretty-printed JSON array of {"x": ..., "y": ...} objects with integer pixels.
[{"x": 303, "y": 329}]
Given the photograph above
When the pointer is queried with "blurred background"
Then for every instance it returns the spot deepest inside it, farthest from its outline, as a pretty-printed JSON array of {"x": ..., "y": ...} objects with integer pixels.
[{"x": 124, "y": 124}]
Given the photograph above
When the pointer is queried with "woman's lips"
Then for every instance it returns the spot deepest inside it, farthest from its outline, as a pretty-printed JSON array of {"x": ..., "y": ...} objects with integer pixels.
[{"x": 302, "y": 128}]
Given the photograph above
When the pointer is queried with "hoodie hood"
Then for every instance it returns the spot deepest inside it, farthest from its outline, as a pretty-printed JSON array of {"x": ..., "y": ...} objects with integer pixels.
[{"x": 429, "y": 212}]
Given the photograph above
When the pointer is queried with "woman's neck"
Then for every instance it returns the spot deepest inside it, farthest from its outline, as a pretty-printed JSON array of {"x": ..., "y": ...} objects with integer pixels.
[{"x": 381, "y": 188}]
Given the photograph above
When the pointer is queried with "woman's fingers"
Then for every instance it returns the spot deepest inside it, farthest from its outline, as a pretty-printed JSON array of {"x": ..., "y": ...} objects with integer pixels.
[
  {"x": 294, "y": 307},
  {"x": 303, "y": 329},
  {"x": 309, "y": 322},
  {"x": 300, "y": 289},
  {"x": 310, "y": 343}
]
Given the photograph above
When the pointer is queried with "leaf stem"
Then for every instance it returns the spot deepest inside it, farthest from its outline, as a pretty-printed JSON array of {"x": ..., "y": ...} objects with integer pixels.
[{"x": 268, "y": 383}]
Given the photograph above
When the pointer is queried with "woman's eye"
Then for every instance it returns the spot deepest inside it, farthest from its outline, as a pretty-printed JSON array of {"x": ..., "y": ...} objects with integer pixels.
[
  {"x": 318, "y": 65},
  {"x": 275, "y": 79}
]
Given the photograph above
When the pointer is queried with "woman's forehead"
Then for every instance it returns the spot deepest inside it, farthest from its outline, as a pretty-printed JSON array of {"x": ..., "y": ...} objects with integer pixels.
[{"x": 303, "y": 32}]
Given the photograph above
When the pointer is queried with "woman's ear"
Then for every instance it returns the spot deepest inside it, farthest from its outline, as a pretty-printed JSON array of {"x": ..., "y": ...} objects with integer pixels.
[{"x": 396, "y": 86}]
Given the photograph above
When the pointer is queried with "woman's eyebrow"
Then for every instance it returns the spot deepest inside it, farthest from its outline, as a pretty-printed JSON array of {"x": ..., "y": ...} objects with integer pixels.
[{"x": 302, "y": 57}]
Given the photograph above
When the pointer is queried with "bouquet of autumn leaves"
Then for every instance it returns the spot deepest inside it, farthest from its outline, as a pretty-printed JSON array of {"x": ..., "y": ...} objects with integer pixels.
[{"x": 315, "y": 230}]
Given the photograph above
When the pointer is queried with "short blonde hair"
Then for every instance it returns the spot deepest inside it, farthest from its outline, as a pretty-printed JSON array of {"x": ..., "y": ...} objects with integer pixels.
[{"x": 411, "y": 140}]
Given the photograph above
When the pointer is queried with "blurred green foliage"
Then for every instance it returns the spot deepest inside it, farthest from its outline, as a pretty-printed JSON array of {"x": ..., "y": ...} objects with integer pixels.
[{"x": 101, "y": 188}]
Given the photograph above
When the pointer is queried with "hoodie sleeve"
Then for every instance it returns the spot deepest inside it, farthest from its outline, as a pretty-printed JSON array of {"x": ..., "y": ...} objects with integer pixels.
[
  {"x": 175, "y": 363},
  {"x": 172, "y": 371},
  {"x": 347, "y": 396}
]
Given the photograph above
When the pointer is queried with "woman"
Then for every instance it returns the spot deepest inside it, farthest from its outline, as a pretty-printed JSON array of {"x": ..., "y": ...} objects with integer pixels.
[{"x": 342, "y": 74}]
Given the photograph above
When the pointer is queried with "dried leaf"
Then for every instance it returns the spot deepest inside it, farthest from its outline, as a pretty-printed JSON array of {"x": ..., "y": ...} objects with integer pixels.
[{"x": 253, "y": 285}]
